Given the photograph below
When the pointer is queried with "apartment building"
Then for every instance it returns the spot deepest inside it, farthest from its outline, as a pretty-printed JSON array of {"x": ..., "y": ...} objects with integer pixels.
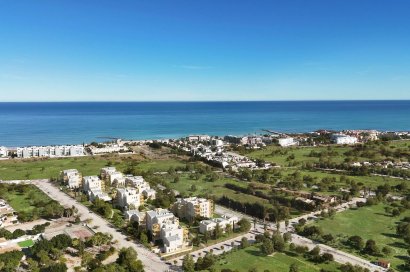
[
  {"x": 139, "y": 183},
  {"x": 91, "y": 183},
  {"x": 72, "y": 178},
  {"x": 193, "y": 207},
  {"x": 165, "y": 226},
  {"x": 129, "y": 197},
  {"x": 50, "y": 151}
]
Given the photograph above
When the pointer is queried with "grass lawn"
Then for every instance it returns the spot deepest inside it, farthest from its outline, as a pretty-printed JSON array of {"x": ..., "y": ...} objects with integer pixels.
[
  {"x": 370, "y": 222},
  {"x": 26, "y": 243},
  {"x": 251, "y": 257},
  {"x": 46, "y": 168},
  {"x": 23, "y": 201}
]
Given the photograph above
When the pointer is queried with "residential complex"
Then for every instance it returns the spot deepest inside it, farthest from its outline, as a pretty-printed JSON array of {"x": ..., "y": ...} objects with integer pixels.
[
  {"x": 193, "y": 207},
  {"x": 50, "y": 151}
]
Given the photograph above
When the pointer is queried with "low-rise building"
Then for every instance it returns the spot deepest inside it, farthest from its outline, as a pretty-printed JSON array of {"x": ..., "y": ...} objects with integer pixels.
[
  {"x": 164, "y": 226},
  {"x": 129, "y": 197},
  {"x": 50, "y": 151},
  {"x": 91, "y": 183},
  {"x": 72, "y": 178},
  {"x": 98, "y": 194},
  {"x": 198, "y": 138},
  {"x": 142, "y": 186},
  {"x": 209, "y": 225},
  {"x": 343, "y": 139},
  {"x": 135, "y": 216},
  {"x": 193, "y": 207},
  {"x": 288, "y": 141},
  {"x": 106, "y": 172},
  {"x": 3, "y": 152}
]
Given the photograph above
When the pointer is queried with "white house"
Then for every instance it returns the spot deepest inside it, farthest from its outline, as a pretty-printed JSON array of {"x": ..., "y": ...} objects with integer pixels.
[
  {"x": 288, "y": 141},
  {"x": 97, "y": 193},
  {"x": 72, "y": 178},
  {"x": 127, "y": 197},
  {"x": 3, "y": 152},
  {"x": 223, "y": 222},
  {"x": 172, "y": 235},
  {"x": 91, "y": 183},
  {"x": 106, "y": 172},
  {"x": 136, "y": 216},
  {"x": 142, "y": 186},
  {"x": 343, "y": 139}
]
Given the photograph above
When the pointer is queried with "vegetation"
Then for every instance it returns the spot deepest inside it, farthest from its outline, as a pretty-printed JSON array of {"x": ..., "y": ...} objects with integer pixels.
[{"x": 29, "y": 202}]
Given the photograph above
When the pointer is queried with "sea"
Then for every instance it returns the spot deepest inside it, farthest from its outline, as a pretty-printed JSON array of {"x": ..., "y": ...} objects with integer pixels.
[{"x": 52, "y": 123}]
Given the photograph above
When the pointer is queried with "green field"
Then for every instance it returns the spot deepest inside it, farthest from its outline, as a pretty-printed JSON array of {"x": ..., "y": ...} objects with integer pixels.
[
  {"x": 251, "y": 257},
  {"x": 22, "y": 201},
  {"x": 26, "y": 243},
  {"x": 47, "y": 168},
  {"x": 279, "y": 155},
  {"x": 369, "y": 222}
]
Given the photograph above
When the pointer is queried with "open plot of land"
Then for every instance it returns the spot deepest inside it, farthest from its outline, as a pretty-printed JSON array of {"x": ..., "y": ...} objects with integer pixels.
[
  {"x": 369, "y": 222},
  {"x": 46, "y": 168},
  {"x": 251, "y": 257},
  {"x": 23, "y": 200}
]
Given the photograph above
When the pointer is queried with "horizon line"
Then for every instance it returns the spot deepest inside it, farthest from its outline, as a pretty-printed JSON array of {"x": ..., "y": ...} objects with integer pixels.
[{"x": 202, "y": 101}]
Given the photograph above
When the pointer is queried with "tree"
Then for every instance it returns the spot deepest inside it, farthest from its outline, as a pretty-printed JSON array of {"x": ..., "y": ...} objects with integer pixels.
[
  {"x": 371, "y": 248},
  {"x": 244, "y": 225},
  {"x": 356, "y": 242},
  {"x": 188, "y": 264},
  {"x": 244, "y": 242},
  {"x": 127, "y": 258},
  {"x": 386, "y": 250},
  {"x": 144, "y": 238},
  {"x": 294, "y": 267},
  {"x": 267, "y": 247}
]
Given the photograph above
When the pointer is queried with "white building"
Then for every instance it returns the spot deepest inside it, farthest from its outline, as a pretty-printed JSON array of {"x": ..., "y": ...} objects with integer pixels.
[
  {"x": 127, "y": 197},
  {"x": 223, "y": 222},
  {"x": 91, "y": 183},
  {"x": 165, "y": 226},
  {"x": 172, "y": 235},
  {"x": 3, "y": 152},
  {"x": 106, "y": 172},
  {"x": 193, "y": 207},
  {"x": 98, "y": 194},
  {"x": 50, "y": 151},
  {"x": 288, "y": 141},
  {"x": 142, "y": 186},
  {"x": 135, "y": 216},
  {"x": 72, "y": 178},
  {"x": 198, "y": 138},
  {"x": 343, "y": 139}
]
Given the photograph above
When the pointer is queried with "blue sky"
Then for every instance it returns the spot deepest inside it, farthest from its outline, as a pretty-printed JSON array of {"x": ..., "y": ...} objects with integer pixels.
[{"x": 204, "y": 50}]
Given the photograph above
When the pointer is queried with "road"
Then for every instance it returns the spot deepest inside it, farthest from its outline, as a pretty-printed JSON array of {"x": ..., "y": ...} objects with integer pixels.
[
  {"x": 151, "y": 261},
  {"x": 339, "y": 256}
]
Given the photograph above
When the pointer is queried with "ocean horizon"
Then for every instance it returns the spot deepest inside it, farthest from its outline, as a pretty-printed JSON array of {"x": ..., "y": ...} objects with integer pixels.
[{"x": 50, "y": 123}]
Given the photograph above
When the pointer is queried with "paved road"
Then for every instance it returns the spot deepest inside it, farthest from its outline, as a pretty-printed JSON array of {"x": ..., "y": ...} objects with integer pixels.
[
  {"x": 339, "y": 256},
  {"x": 151, "y": 261}
]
